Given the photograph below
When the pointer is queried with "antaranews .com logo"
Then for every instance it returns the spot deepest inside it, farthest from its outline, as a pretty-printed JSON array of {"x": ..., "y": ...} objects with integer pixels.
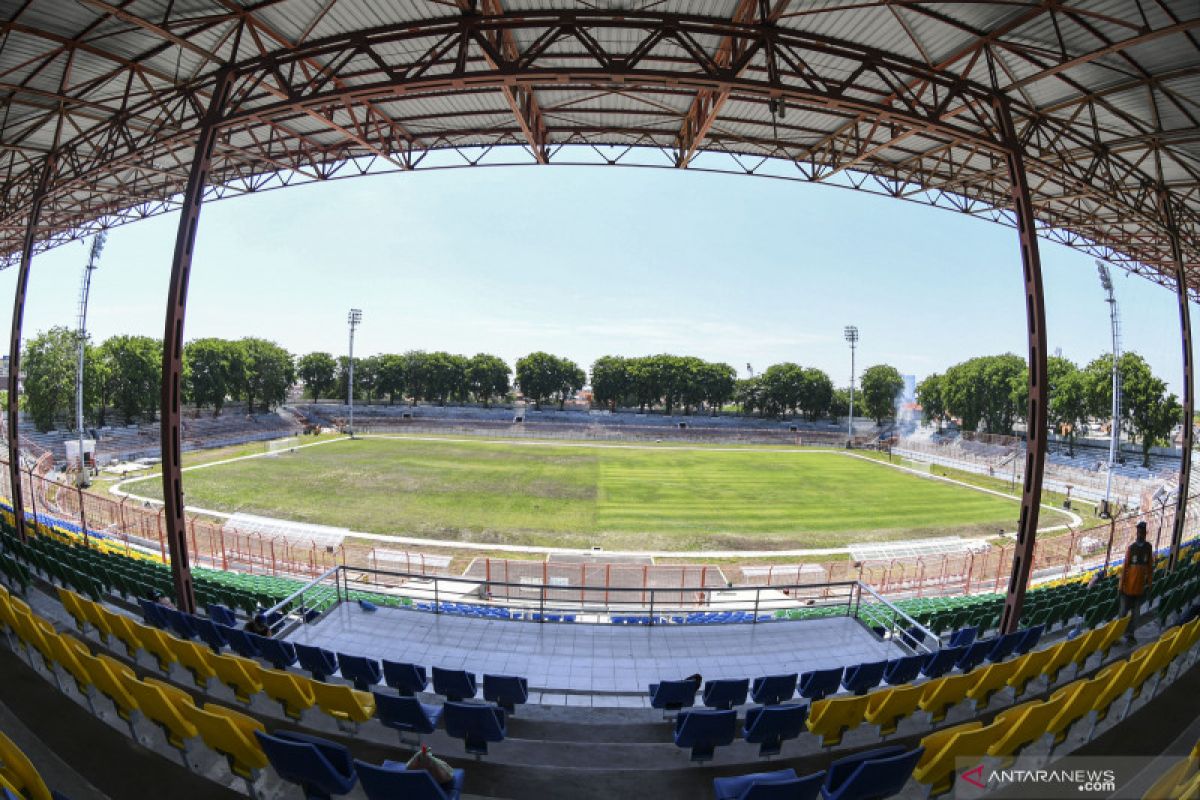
[{"x": 1032, "y": 778}]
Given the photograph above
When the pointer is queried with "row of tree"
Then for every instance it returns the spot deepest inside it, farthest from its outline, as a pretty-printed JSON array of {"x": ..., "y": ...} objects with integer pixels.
[
  {"x": 789, "y": 388},
  {"x": 992, "y": 392},
  {"x": 437, "y": 377},
  {"x": 674, "y": 382}
]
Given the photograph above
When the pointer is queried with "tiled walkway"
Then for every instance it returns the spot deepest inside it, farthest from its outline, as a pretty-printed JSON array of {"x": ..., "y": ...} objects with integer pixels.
[{"x": 595, "y": 658}]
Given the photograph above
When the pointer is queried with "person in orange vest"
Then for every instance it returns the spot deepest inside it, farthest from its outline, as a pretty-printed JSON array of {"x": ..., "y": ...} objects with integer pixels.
[{"x": 1136, "y": 575}]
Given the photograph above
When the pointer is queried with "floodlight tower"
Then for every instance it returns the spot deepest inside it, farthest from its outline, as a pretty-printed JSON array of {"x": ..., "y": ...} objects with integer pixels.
[
  {"x": 85, "y": 289},
  {"x": 354, "y": 318},
  {"x": 852, "y": 338},
  {"x": 1114, "y": 318}
]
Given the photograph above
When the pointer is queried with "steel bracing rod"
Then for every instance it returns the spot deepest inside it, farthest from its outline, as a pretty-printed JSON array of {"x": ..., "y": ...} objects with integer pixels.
[
  {"x": 1035, "y": 417},
  {"x": 172, "y": 364},
  {"x": 1189, "y": 389}
]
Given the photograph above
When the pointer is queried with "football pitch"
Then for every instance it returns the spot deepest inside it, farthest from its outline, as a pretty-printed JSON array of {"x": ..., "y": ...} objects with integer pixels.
[{"x": 568, "y": 494}]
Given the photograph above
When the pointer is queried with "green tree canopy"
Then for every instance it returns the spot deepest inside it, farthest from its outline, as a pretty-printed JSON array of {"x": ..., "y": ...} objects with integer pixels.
[
  {"x": 319, "y": 373},
  {"x": 268, "y": 372},
  {"x": 49, "y": 361},
  {"x": 543, "y": 376},
  {"x": 487, "y": 377},
  {"x": 929, "y": 395},
  {"x": 136, "y": 365},
  {"x": 880, "y": 386},
  {"x": 208, "y": 377}
]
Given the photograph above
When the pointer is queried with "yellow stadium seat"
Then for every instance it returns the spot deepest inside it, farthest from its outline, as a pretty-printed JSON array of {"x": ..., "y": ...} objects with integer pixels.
[
  {"x": 20, "y": 773},
  {"x": 1189, "y": 789},
  {"x": 70, "y": 602},
  {"x": 1062, "y": 654},
  {"x": 1030, "y": 666},
  {"x": 1090, "y": 644},
  {"x": 94, "y": 613},
  {"x": 942, "y": 694},
  {"x": 990, "y": 680},
  {"x": 833, "y": 716},
  {"x": 66, "y": 654},
  {"x": 1021, "y": 726},
  {"x": 31, "y": 632},
  {"x": 232, "y": 735},
  {"x": 242, "y": 675},
  {"x": 887, "y": 707},
  {"x": 1173, "y": 781},
  {"x": 158, "y": 644},
  {"x": 936, "y": 769},
  {"x": 1077, "y": 698},
  {"x": 348, "y": 706},
  {"x": 125, "y": 630},
  {"x": 159, "y": 709},
  {"x": 195, "y": 658},
  {"x": 1151, "y": 659},
  {"x": 293, "y": 692},
  {"x": 1117, "y": 678},
  {"x": 107, "y": 676},
  {"x": 7, "y": 621},
  {"x": 1113, "y": 632}
]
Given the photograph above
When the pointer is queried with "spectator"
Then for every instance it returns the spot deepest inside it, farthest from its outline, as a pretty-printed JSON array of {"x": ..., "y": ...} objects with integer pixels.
[
  {"x": 1097, "y": 576},
  {"x": 258, "y": 625},
  {"x": 163, "y": 600},
  {"x": 1136, "y": 576}
]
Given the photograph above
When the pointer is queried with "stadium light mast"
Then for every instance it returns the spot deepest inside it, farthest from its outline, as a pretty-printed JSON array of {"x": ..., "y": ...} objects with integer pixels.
[
  {"x": 1114, "y": 318},
  {"x": 852, "y": 338},
  {"x": 354, "y": 318},
  {"x": 85, "y": 290}
]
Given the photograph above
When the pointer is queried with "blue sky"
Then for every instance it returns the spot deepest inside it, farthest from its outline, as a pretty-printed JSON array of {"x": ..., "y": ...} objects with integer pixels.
[{"x": 585, "y": 261}]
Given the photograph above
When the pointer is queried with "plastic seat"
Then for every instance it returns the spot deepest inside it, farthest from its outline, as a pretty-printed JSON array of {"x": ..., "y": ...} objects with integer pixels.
[
  {"x": 506, "y": 691},
  {"x": 1113, "y": 632},
  {"x": 362, "y": 671},
  {"x": 861, "y": 678},
  {"x": 293, "y": 692},
  {"x": 231, "y": 735},
  {"x": 221, "y": 614},
  {"x": 18, "y": 771},
  {"x": 832, "y": 717},
  {"x": 108, "y": 676},
  {"x": 454, "y": 684},
  {"x": 67, "y": 651},
  {"x": 781, "y": 784},
  {"x": 903, "y": 670},
  {"x": 406, "y": 714},
  {"x": 1077, "y": 699},
  {"x": 279, "y": 653},
  {"x": 726, "y": 693},
  {"x": 770, "y": 726},
  {"x": 1118, "y": 678},
  {"x": 887, "y": 707},
  {"x": 668, "y": 695},
  {"x": 158, "y": 644},
  {"x": 70, "y": 602},
  {"x": 179, "y": 623},
  {"x": 319, "y": 662},
  {"x": 242, "y": 675},
  {"x": 1005, "y": 645},
  {"x": 1020, "y": 726},
  {"x": 405, "y": 678},
  {"x": 874, "y": 774},
  {"x": 704, "y": 730},
  {"x": 210, "y": 634},
  {"x": 936, "y": 767},
  {"x": 1033, "y": 635},
  {"x": 320, "y": 767},
  {"x": 152, "y": 613},
  {"x": 153, "y": 702},
  {"x": 942, "y": 694},
  {"x": 124, "y": 630},
  {"x": 393, "y": 780},
  {"x": 475, "y": 724},
  {"x": 939, "y": 662},
  {"x": 975, "y": 654},
  {"x": 963, "y": 637},
  {"x": 989, "y": 680},
  {"x": 96, "y": 618},
  {"x": 348, "y": 706},
  {"x": 771, "y": 690},
  {"x": 820, "y": 683},
  {"x": 196, "y": 659},
  {"x": 1029, "y": 667},
  {"x": 239, "y": 641},
  {"x": 1061, "y": 655}
]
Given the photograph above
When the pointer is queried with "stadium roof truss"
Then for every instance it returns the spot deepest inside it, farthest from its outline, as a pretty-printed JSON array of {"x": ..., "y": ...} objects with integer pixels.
[{"x": 1074, "y": 120}]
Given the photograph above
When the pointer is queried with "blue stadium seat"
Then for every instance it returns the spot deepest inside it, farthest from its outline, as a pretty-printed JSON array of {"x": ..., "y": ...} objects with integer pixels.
[
  {"x": 771, "y": 690},
  {"x": 871, "y": 775},
  {"x": 406, "y": 714},
  {"x": 975, "y": 654},
  {"x": 210, "y": 634},
  {"x": 153, "y": 613},
  {"x": 903, "y": 670},
  {"x": 365, "y": 672},
  {"x": 861, "y": 678},
  {"x": 704, "y": 730},
  {"x": 770, "y": 726},
  {"x": 673, "y": 695},
  {"x": 180, "y": 623},
  {"x": 239, "y": 641},
  {"x": 820, "y": 683},
  {"x": 1032, "y": 636},
  {"x": 407, "y": 679},
  {"x": 726, "y": 693},
  {"x": 1004, "y": 646},
  {"x": 782, "y": 784},
  {"x": 963, "y": 636},
  {"x": 506, "y": 691},
  {"x": 319, "y": 662},
  {"x": 281, "y": 654},
  {"x": 453, "y": 684},
  {"x": 939, "y": 662},
  {"x": 475, "y": 724},
  {"x": 320, "y": 767},
  {"x": 221, "y": 614},
  {"x": 392, "y": 780}
]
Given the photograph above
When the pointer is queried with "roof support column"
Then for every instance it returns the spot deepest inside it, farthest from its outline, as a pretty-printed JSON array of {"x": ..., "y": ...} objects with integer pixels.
[
  {"x": 1035, "y": 325},
  {"x": 14, "y": 346},
  {"x": 1189, "y": 394},
  {"x": 172, "y": 363}
]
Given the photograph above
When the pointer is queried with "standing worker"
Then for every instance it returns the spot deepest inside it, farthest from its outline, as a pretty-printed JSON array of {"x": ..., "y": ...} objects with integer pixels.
[{"x": 1136, "y": 576}]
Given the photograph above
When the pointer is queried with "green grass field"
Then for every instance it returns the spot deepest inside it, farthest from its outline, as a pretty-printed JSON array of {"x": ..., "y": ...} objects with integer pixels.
[{"x": 652, "y": 497}]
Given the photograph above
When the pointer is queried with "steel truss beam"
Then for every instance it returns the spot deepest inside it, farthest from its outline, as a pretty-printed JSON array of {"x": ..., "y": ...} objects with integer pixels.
[
  {"x": 1035, "y": 325},
  {"x": 1189, "y": 388},
  {"x": 172, "y": 364}
]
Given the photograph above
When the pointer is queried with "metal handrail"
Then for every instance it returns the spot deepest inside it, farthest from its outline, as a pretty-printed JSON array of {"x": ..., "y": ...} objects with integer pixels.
[
  {"x": 896, "y": 612},
  {"x": 278, "y": 607}
]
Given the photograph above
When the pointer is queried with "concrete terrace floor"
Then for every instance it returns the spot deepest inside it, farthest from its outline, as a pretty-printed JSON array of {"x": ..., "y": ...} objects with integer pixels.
[{"x": 588, "y": 664}]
